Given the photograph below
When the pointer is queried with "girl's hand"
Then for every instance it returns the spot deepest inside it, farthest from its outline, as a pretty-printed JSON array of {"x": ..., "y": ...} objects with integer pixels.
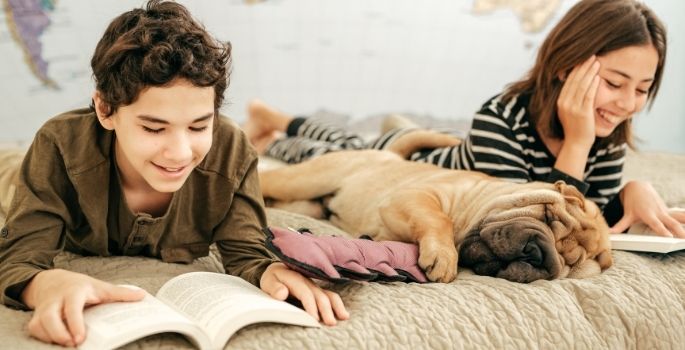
[
  {"x": 576, "y": 104},
  {"x": 279, "y": 281},
  {"x": 642, "y": 203}
]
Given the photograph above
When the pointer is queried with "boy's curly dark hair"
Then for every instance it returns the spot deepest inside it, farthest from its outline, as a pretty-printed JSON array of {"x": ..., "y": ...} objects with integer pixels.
[{"x": 154, "y": 46}]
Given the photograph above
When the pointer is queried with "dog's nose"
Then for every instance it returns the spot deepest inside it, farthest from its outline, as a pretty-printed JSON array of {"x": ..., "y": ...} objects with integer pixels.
[{"x": 532, "y": 253}]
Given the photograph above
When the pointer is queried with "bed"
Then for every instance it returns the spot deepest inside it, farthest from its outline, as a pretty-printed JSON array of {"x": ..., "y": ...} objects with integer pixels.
[{"x": 639, "y": 303}]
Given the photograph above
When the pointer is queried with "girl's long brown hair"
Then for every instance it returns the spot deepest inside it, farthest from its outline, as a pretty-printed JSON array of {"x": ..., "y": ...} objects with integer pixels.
[{"x": 591, "y": 27}]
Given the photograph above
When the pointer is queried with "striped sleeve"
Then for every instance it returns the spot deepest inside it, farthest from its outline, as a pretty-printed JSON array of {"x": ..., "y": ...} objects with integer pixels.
[
  {"x": 491, "y": 146},
  {"x": 556, "y": 175},
  {"x": 604, "y": 173}
]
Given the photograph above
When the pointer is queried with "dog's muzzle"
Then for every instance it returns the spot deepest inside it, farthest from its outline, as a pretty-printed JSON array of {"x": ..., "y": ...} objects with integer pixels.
[{"x": 519, "y": 249}]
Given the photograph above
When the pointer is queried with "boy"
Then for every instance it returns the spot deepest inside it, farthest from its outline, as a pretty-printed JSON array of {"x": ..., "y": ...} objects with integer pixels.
[{"x": 128, "y": 176}]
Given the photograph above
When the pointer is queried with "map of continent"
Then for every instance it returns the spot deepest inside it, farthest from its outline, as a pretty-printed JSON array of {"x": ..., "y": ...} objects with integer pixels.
[
  {"x": 27, "y": 20},
  {"x": 533, "y": 14}
]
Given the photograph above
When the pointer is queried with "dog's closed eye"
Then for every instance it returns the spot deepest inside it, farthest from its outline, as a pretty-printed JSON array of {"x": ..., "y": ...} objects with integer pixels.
[{"x": 549, "y": 217}]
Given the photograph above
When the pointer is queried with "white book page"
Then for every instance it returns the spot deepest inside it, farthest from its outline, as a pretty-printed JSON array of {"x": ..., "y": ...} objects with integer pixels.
[
  {"x": 222, "y": 304},
  {"x": 115, "y": 324},
  {"x": 646, "y": 243}
]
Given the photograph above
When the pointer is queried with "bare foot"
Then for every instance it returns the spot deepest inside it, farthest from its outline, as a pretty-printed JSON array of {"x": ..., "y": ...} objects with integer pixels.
[
  {"x": 264, "y": 124},
  {"x": 396, "y": 121}
]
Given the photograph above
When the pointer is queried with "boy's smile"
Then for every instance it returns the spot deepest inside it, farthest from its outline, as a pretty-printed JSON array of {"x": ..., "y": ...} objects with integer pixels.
[{"x": 162, "y": 136}]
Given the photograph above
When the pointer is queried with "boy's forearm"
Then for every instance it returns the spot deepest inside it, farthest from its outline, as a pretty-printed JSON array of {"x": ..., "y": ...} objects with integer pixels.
[
  {"x": 14, "y": 282},
  {"x": 245, "y": 260},
  {"x": 27, "y": 296},
  {"x": 22, "y": 257}
]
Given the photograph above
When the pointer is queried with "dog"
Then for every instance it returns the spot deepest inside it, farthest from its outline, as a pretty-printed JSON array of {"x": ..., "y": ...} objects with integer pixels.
[{"x": 520, "y": 232}]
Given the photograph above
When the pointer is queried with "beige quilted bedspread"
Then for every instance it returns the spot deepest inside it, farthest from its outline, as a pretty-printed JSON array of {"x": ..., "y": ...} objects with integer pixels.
[{"x": 637, "y": 304}]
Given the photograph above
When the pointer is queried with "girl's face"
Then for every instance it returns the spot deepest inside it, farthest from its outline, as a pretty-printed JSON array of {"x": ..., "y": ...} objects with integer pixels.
[
  {"x": 163, "y": 135},
  {"x": 625, "y": 78}
]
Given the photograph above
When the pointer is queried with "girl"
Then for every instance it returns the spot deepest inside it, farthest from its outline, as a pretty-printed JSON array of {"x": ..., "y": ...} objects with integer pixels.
[{"x": 568, "y": 119}]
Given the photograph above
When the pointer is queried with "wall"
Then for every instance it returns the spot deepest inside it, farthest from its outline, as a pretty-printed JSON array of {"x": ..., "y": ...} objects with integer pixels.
[{"x": 354, "y": 57}]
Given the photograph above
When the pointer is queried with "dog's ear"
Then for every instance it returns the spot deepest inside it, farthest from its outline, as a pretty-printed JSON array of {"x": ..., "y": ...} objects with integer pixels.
[{"x": 570, "y": 193}]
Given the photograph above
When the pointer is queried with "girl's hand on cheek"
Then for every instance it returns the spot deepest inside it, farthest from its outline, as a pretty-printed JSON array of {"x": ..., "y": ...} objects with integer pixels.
[
  {"x": 575, "y": 105},
  {"x": 641, "y": 203}
]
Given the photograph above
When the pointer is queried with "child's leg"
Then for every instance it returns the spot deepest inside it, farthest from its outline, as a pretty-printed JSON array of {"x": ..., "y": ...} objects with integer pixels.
[
  {"x": 402, "y": 136},
  {"x": 444, "y": 157},
  {"x": 264, "y": 124},
  {"x": 298, "y": 149},
  {"x": 305, "y": 137},
  {"x": 10, "y": 162},
  {"x": 315, "y": 130}
]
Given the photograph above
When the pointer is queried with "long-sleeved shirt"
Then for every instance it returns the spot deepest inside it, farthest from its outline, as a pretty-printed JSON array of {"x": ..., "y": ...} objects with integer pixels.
[
  {"x": 504, "y": 143},
  {"x": 68, "y": 197}
]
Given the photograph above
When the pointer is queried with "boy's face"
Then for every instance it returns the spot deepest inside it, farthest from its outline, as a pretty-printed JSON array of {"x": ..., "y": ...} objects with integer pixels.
[{"x": 162, "y": 136}]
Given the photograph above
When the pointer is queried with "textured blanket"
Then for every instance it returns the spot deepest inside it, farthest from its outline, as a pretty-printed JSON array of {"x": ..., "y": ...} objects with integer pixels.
[{"x": 639, "y": 303}]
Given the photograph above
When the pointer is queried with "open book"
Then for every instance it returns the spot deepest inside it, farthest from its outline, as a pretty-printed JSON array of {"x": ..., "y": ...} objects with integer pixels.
[
  {"x": 641, "y": 239},
  {"x": 208, "y": 308}
]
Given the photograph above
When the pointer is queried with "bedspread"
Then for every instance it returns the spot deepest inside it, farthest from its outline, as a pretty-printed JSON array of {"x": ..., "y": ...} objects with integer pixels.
[{"x": 637, "y": 303}]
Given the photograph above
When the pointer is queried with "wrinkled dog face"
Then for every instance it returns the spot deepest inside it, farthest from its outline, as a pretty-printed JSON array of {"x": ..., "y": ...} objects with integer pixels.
[{"x": 540, "y": 234}]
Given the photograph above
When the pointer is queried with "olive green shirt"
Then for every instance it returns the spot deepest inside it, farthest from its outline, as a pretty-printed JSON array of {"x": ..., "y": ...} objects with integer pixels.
[{"x": 68, "y": 197}]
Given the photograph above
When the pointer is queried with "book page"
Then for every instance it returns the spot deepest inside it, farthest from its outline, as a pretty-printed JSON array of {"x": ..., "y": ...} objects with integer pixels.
[
  {"x": 646, "y": 243},
  {"x": 221, "y": 304},
  {"x": 115, "y": 324}
]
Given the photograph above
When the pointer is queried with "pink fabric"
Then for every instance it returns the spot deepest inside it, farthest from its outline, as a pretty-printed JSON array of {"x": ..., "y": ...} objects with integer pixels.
[{"x": 340, "y": 259}]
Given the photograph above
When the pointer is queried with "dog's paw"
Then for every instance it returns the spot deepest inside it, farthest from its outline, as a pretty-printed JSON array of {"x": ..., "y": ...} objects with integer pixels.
[{"x": 438, "y": 259}]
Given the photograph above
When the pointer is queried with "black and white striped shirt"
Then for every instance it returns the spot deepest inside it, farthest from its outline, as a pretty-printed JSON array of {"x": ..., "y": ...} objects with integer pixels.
[{"x": 502, "y": 142}]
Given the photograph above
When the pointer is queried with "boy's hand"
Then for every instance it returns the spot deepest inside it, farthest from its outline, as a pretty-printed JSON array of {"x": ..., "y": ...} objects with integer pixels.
[
  {"x": 279, "y": 281},
  {"x": 58, "y": 298}
]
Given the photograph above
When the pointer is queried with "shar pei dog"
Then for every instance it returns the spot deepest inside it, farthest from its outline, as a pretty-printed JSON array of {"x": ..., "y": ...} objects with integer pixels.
[{"x": 520, "y": 232}]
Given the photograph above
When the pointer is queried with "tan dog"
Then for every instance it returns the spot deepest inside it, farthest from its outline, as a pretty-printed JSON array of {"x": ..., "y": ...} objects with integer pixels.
[{"x": 521, "y": 232}]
